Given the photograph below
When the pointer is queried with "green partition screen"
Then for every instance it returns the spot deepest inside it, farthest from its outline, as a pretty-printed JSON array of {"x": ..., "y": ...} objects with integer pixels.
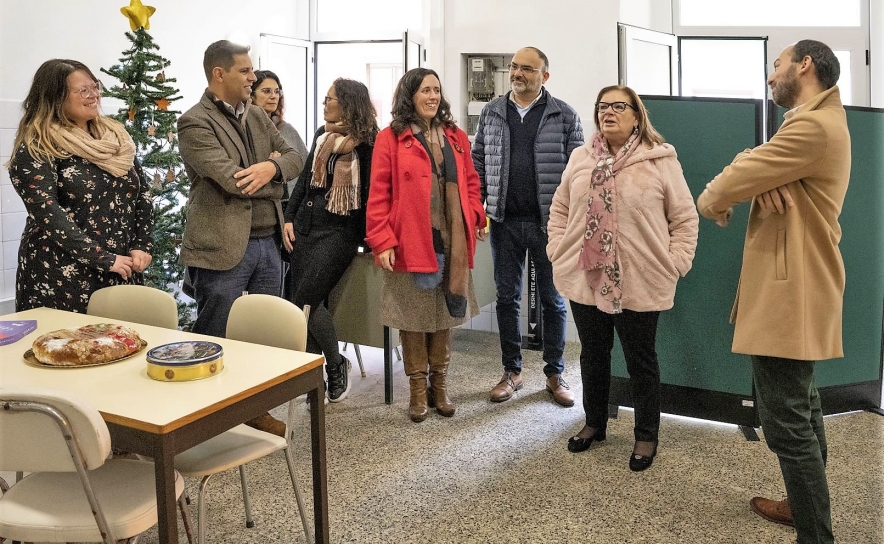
[{"x": 700, "y": 375}]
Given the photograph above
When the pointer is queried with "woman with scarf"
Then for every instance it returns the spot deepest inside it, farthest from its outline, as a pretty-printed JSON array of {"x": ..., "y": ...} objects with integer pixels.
[
  {"x": 325, "y": 217},
  {"x": 424, "y": 216},
  {"x": 622, "y": 230},
  {"x": 89, "y": 211}
]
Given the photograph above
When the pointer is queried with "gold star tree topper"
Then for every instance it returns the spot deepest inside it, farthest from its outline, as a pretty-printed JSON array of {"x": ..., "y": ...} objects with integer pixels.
[{"x": 138, "y": 14}]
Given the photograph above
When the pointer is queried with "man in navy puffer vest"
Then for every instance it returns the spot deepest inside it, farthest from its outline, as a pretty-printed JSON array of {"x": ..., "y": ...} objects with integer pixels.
[{"x": 523, "y": 142}]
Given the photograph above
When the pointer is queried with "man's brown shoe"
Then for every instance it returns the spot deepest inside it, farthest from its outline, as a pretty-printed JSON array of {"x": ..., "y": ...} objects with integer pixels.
[
  {"x": 775, "y": 511},
  {"x": 561, "y": 393},
  {"x": 268, "y": 424},
  {"x": 509, "y": 384}
]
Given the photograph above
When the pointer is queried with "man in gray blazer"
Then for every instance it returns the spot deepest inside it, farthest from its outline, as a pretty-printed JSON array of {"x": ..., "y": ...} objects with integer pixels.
[{"x": 237, "y": 163}]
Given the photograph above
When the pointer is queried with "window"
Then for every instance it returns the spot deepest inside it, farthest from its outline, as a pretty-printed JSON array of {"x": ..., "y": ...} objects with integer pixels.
[
  {"x": 731, "y": 68},
  {"x": 769, "y": 13}
]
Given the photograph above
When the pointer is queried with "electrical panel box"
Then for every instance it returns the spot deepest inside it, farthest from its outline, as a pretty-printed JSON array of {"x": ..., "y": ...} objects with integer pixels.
[{"x": 481, "y": 80}]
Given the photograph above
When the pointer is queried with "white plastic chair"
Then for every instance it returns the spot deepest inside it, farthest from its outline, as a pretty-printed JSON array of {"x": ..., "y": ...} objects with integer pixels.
[
  {"x": 260, "y": 319},
  {"x": 74, "y": 492},
  {"x": 136, "y": 303}
]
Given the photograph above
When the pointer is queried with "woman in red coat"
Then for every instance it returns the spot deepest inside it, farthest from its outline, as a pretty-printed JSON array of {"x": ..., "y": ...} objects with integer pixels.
[{"x": 423, "y": 217}]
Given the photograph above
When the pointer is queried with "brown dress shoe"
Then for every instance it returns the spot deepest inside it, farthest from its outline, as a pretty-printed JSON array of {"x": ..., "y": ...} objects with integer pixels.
[
  {"x": 509, "y": 384},
  {"x": 560, "y": 390},
  {"x": 775, "y": 511},
  {"x": 268, "y": 424}
]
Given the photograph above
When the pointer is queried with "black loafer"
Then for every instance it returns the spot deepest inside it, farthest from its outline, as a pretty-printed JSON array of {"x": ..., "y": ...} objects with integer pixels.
[
  {"x": 577, "y": 444},
  {"x": 638, "y": 463}
]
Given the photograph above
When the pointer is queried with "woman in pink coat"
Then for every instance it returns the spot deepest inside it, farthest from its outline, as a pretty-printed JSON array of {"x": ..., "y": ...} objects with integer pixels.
[
  {"x": 622, "y": 230},
  {"x": 423, "y": 217}
]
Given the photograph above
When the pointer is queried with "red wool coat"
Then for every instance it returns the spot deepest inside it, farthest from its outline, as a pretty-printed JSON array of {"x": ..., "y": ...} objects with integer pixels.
[{"x": 398, "y": 210}]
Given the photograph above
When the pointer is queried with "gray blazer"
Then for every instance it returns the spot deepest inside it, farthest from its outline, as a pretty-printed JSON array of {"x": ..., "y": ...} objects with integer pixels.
[{"x": 219, "y": 216}]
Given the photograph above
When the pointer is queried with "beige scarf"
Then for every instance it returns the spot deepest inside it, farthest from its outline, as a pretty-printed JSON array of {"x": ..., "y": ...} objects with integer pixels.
[
  {"x": 112, "y": 150},
  {"x": 343, "y": 196}
]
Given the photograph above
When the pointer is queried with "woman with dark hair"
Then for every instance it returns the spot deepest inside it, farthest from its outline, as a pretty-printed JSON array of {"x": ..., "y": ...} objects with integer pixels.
[
  {"x": 89, "y": 211},
  {"x": 622, "y": 230},
  {"x": 325, "y": 216},
  {"x": 424, "y": 215},
  {"x": 267, "y": 94}
]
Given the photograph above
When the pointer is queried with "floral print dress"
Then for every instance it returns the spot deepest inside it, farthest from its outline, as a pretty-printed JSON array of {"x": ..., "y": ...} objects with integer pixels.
[{"x": 79, "y": 218}]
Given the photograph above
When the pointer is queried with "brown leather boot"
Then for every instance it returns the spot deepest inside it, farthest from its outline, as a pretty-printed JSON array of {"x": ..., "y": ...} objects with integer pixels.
[
  {"x": 775, "y": 511},
  {"x": 414, "y": 359},
  {"x": 439, "y": 351},
  {"x": 268, "y": 424}
]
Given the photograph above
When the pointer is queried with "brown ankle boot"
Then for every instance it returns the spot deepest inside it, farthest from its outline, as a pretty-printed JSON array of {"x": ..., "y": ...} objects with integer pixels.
[
  {"x": 414, "y": 359},
  {"x": 439, "y": 352}
]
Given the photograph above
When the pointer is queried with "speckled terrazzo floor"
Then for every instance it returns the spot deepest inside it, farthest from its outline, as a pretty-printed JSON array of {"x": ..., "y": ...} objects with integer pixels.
[{"x": 500, "y": 473}]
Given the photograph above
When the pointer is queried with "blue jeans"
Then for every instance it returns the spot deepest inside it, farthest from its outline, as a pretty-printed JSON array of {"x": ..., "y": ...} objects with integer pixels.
[
  {"x": 259, "y": 272},
  {"x": 510, "y": 242},
  {"x": 792, "y": 420}
]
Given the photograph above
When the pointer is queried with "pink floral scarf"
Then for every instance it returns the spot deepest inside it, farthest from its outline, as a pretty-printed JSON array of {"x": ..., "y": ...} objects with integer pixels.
[{"x": 599, "y": 250}]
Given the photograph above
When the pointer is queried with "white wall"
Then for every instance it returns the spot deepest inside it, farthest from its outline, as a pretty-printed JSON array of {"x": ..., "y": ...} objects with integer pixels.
[
  {"x": 650, "y": 14},
  {"x": 93, "y": 32},
  {"x": 580, "y": 39}
]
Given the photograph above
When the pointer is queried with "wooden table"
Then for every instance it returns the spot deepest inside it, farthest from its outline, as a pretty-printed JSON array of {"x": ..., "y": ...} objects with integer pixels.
[{"x": 162, "y": 419}]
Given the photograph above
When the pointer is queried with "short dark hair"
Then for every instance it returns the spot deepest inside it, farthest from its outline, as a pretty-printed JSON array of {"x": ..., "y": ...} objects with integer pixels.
[
  {"x": 221, "y": 54},
  {"x": 828, "y": 69},
  {"x": 404, "y": 111},
  {"x": 542, "y": 56}
]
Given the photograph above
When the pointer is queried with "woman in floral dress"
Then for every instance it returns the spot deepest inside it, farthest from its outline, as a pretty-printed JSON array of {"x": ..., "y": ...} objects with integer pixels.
[{"x": 89, "y": 211}]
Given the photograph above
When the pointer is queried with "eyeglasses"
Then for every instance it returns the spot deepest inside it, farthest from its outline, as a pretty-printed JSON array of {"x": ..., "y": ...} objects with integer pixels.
[
  {"x": 618, "y": 107},
  {"x": 90, "y": 90},
  {"x": 327, "y": 99},
  {"x": 268, "y": 91},
  {"x": 527, "y": 70}
]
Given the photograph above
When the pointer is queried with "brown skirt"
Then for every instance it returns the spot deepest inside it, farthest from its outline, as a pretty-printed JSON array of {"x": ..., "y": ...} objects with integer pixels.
[{"x": 407, "y": 308}]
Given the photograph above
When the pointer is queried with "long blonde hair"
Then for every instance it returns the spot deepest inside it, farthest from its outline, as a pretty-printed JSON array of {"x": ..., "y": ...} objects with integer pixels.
[{"x": 44, "y": 108}]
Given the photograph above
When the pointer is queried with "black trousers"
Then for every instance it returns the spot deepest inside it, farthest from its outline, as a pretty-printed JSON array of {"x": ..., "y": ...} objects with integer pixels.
[
  {"x": 638, "y": 336},
  {"x": 319, "y": 260}
]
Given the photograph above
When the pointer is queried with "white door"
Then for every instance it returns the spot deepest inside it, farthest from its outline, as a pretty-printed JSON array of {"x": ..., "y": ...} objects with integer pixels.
[
  {"x": 292, "y": 61},
  {"x": 648, "y": 60}
]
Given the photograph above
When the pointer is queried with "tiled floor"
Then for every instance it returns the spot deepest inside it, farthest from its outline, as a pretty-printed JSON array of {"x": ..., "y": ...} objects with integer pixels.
[{"x": 500, "y": 473}]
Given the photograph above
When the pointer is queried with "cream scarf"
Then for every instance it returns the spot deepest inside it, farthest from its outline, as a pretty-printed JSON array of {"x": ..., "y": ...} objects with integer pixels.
[{"x": 112, "y": 150}]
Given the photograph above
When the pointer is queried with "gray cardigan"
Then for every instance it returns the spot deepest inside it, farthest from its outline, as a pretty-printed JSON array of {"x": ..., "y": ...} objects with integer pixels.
[{"x": 559, "y": 134}]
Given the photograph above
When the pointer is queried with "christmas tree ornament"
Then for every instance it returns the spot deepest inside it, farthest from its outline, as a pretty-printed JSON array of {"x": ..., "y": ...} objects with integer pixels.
[
  {"x": 171, "y": 136},
  {"x": 170, "y": 176},
  {"x": 151, "y": 130},
  {"x": 131, "y": 114},
  {"x": 157, "y": 181},
  {"x": 161, "y": 77},
  {"x": 138, "y": 14},
  {"x": 162, "y": 104}
]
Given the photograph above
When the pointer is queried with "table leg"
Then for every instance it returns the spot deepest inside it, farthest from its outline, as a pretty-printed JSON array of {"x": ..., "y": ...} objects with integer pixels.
[
  {"x": 316, "y": 399},
  {"x": 164, "y": 470},
  {"x": 388, "y": 366}
]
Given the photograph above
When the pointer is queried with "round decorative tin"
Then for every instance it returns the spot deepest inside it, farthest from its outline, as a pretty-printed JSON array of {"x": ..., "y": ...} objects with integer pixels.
[{"x": 185, "y": 361}]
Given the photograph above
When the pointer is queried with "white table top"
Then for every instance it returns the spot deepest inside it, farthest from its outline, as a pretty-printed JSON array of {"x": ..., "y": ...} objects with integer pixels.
[{"x": 123, "y": 392}]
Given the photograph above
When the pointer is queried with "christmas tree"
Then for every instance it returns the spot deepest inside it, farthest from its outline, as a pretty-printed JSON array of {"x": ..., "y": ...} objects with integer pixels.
[{"x": 146, "y": 93}]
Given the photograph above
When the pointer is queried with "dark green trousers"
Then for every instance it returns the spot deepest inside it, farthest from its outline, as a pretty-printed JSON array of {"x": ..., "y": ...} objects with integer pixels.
[{"x": 792, "y": 421}]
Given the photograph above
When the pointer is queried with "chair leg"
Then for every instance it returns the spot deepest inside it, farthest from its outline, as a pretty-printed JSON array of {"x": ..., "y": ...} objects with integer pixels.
[
  {"x": 245, "y": 496},
  {"x": 185, "y": 518},
  {"x": 359, "y": 359},
  {"x": 201, "y": 509},
  {"x": 308, "y": 531}
]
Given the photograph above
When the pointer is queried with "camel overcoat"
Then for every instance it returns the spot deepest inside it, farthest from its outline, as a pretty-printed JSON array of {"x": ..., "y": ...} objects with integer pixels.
[{"x": 790, "y": 297}]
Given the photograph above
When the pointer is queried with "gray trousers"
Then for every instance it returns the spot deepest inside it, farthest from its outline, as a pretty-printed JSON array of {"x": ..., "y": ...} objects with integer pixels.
[{"x": 792, "y": 420}]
